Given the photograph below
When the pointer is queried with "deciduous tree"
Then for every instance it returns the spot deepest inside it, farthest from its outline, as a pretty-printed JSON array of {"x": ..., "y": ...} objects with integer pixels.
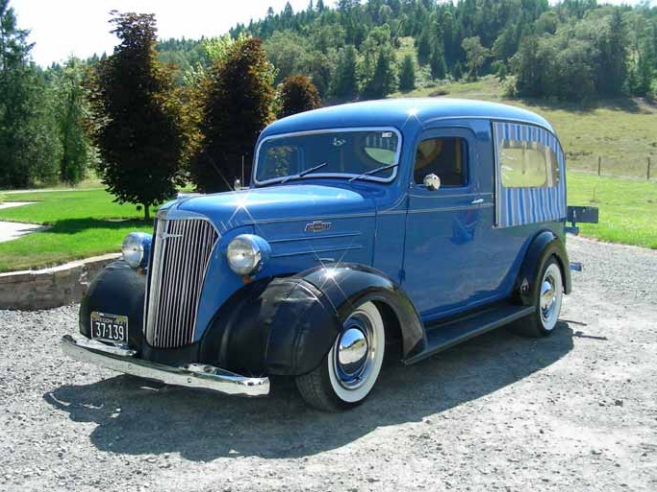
[
  {"x": 237, "y": 97},
  {"x": 136, "y": 117},
  {"x": 476, "y": 55},
  {"x": 298, "y": 94}
]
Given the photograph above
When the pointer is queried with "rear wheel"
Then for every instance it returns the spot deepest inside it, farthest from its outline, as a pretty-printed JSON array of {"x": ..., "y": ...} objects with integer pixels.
[
  {"x": 547, "y": 301},
  {"x": 349, "y": 371}
]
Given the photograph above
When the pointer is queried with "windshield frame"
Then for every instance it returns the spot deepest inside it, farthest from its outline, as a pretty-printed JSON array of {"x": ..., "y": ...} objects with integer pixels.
[{"x": 346, "y": 176}]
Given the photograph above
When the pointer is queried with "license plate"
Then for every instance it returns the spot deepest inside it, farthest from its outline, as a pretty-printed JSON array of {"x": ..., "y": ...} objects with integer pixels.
[{"x": 109, "y": 327}]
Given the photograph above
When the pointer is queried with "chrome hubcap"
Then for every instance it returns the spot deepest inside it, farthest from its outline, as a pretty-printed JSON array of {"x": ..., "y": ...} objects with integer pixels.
[
  {"x": 354, "y": 351},
  {"x": 550, "y": 297}
]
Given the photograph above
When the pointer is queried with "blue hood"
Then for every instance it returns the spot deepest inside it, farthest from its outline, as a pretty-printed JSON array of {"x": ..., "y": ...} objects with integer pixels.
[{"x": 278, "y": 204}]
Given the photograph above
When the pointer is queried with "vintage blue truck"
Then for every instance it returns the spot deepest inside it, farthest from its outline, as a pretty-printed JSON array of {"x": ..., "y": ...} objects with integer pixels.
[{"x": 394, "y": 228}]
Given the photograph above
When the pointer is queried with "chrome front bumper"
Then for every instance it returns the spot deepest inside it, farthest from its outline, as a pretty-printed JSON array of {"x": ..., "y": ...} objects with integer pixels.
[{"x": 190, "y": 376}]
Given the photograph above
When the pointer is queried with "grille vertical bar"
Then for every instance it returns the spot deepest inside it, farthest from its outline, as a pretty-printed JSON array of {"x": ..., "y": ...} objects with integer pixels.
[{"x": 181, "y": 251}]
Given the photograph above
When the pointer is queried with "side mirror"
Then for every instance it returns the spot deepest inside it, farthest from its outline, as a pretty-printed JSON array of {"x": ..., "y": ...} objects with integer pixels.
[{"x": 432, "y": 182}]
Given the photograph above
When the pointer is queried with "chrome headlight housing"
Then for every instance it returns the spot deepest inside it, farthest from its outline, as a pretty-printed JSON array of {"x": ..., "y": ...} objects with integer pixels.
[
  {"x": 136, "y": 248},
  {"x": 247, "y": 253}
]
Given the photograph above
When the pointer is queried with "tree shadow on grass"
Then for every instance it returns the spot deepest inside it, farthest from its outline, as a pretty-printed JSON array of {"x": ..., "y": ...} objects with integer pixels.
[
  {"x": 625, "y": 104},
  {"x": 75, "y": 226},
  {"x": 137, "y": 417}
]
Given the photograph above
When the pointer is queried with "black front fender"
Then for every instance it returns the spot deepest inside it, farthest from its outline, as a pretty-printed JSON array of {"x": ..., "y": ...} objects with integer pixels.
[
  {"x": 349, "y": 285},
  {"x": 286, "y": 326},
  {"x": 117, "y": 289}
]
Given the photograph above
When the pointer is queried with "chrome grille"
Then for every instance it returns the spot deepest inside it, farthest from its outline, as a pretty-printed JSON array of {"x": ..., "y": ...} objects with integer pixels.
[{"x": 181, "y": 251}]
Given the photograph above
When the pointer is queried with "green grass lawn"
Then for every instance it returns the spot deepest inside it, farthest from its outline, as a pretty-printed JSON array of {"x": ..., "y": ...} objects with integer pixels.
[
  {"x": 84, "y": 223},
  {"x": 628, "y": 209}
]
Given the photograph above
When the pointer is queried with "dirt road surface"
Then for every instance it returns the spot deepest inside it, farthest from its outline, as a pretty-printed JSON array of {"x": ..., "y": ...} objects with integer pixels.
[{"x": 574, "y": 412}]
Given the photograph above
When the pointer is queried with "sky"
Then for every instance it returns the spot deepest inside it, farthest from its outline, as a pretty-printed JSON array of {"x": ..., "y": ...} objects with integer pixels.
[{"x": 63, "y": 28}]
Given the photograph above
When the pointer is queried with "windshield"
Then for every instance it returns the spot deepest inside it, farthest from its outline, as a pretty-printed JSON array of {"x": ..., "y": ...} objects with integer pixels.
[{"x": 334, "y": 153}]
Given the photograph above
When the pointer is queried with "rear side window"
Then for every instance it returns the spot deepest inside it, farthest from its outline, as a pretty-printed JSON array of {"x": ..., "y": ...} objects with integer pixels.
[
  {"x": 444, "y": 157},
  {"x": 528, "y": 164}
]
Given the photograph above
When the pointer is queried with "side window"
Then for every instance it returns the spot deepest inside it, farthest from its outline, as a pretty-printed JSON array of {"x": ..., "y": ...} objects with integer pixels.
[
  {"x": 528, "y": 164},
  {"x": 444, "y": 157}
]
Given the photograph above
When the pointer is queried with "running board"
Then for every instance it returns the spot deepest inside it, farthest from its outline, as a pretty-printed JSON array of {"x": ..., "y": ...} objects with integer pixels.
[{"x": 445, "y": 335}]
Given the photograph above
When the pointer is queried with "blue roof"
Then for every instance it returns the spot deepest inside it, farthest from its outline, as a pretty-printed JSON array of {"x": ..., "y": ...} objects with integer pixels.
[{"x": 399, "y": 113}]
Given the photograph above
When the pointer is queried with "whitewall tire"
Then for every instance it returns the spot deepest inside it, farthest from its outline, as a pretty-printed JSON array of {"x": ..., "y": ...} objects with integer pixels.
[
  {"x": 548, "y": 299},
  {"x": 350, "y": 370}
]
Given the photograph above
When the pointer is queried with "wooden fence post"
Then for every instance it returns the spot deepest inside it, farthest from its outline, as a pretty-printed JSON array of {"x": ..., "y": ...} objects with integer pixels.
[
  {"x": 599, "y": 165},
  {"x": 648, "y": 172}
]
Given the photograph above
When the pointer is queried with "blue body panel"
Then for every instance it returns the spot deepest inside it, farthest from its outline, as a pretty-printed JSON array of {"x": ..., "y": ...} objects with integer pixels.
[{"x": 444, "y": 251}]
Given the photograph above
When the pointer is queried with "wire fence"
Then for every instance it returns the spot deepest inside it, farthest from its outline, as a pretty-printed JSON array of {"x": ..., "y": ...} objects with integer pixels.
[{"x": 644, "y": 169}]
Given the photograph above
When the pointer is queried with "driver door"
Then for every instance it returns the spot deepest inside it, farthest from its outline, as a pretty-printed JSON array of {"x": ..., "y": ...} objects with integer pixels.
[{"x": 444, "y": 226}]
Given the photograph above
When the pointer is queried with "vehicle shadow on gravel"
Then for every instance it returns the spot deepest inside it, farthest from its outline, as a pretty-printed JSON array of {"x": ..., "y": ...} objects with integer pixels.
[{"x": 136, "y": 417}]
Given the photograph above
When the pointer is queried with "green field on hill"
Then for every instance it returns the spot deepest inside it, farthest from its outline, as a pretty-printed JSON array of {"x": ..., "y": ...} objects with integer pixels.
[{"x": 622, "y": 133}]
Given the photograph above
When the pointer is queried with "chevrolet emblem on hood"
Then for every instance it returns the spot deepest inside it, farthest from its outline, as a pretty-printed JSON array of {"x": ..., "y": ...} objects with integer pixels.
[{"x": 318, "y": 226}]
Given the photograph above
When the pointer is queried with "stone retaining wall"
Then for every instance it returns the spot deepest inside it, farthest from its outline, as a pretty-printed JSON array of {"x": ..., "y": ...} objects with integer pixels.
[{"x": 52, "y": 287}]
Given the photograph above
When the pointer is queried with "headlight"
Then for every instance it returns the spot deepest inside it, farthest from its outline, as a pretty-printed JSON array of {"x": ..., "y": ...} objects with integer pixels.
[
  {"x": 136, "y": 247},
  {"x": 247, "y": 253}
]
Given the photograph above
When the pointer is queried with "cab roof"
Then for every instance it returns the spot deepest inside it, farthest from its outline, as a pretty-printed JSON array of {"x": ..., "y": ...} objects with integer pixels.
[{"x": 400, "y": 113}]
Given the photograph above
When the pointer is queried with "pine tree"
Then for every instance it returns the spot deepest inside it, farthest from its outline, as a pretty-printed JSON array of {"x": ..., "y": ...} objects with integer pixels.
[
  {"x": 384, "y": 78},
  {"x": 424, "y": 48},
  {"x": 29, "y": 147},
  {"x": 298, "y": 94},
  {"x": 407, "y": 74},
  {"x": 137, "y": 119},
  {"x": 457, "y": 71},
  {"x": 236, "y": 100},
  {"x": 437, "y": 64},
  {"x": 345, "y": 83},
  {"x": 71, "y": 110}
]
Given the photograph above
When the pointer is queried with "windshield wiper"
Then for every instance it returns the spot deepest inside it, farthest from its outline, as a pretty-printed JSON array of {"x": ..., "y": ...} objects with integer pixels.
[
  {"x": 374, "y": 171},
  {"x": 303, "y": 173}
]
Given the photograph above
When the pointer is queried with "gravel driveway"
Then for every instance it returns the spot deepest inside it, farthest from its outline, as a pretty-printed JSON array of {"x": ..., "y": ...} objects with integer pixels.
[{"x": 574, "y": 412}]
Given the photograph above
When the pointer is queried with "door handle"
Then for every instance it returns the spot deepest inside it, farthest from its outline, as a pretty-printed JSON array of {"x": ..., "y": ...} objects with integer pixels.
[{"x": 477, "y": 201}]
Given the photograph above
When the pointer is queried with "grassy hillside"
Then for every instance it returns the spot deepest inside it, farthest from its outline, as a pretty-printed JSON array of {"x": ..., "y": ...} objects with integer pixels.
[{"x": 623, "y": 132}]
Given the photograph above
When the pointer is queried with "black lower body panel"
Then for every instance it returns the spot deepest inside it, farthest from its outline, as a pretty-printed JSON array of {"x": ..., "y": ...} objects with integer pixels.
[{"x": 441, "y": 336}]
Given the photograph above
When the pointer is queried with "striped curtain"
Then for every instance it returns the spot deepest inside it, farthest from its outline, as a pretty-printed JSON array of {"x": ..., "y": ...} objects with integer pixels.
[{"x": 521, "y": 206}]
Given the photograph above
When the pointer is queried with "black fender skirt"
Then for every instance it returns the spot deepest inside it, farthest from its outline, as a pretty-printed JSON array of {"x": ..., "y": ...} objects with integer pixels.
[
  {"x": 276, "y": 326},
  {"x": 117, "y": 289},
  {"x": 286, "y": 326},
  {"x": 545, "y": 245}
]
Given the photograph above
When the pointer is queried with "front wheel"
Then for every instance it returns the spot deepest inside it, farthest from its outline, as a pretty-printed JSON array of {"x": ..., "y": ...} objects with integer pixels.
[{"x": 349, "y": 371}]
